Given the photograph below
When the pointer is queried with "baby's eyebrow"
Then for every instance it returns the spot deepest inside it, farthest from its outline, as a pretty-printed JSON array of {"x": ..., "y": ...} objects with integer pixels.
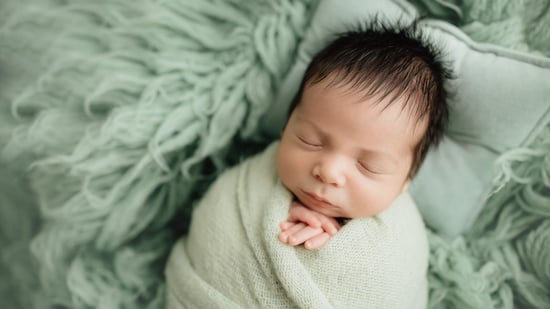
[{"x": 308, "y": 121}]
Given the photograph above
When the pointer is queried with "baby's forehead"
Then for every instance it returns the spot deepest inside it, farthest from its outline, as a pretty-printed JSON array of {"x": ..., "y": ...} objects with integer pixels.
[
  {"x": 391, "y": 109},
  {"x": 383, "y": 98}
]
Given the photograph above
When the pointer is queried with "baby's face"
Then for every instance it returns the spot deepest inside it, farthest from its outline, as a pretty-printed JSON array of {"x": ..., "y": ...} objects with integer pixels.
[{"x": 344, "y": 156}]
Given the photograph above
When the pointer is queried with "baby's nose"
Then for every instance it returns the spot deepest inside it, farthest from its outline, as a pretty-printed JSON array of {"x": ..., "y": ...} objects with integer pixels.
[{"x": 330, "y": 171}]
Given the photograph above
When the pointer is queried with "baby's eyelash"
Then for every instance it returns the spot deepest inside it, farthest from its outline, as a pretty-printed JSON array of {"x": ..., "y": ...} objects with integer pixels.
[
  {"x": 303, "y": 140},
  {"x": 366, "y": 168}
]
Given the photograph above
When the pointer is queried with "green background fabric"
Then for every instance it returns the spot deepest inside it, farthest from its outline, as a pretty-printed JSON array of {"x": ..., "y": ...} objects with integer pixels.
[{"x": 117, "y": 115}]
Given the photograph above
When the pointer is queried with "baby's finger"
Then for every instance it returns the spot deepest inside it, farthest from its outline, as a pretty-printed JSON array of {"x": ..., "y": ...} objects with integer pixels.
[
  {"x": 284, "y": 235},
  {"x": 303, "y": 234},
  {"x": 317, "y": 241},
  {"x": 285, "y": 225},
  {"x": 329, "y": 224},
  {"x": 302, "y": 214}
]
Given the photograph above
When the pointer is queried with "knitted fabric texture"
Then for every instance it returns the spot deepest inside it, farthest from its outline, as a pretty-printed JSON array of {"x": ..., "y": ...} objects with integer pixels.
[{"x": 232, "y": 257}]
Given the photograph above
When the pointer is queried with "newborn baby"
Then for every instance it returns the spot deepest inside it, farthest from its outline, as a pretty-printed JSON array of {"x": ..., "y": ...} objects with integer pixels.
[{"x": 370, "y": 106}]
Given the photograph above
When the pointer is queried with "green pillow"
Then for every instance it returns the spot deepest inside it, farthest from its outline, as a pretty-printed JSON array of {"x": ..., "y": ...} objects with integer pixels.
[{"x": 501, "y": 100}]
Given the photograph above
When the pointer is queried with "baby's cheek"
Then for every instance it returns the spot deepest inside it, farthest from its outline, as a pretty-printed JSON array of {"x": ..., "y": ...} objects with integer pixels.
[
  {"x": 284, "y": 164},
  {"x": 367, "y": 200}
]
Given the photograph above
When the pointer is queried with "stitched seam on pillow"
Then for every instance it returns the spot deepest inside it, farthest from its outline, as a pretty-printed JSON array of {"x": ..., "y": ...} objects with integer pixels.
[
  {"x": 537, "y": 128},
  {"x": 406, "y": 7},
  {"x": 487, "y": 48}
]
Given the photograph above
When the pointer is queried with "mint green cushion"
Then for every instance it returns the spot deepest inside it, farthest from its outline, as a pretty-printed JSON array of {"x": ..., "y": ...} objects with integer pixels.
[{"x": 502, "y": 99}]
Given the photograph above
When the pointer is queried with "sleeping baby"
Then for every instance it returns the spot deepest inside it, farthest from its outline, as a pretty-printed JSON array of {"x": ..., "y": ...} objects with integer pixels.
[{"x": 322, "y": 218}]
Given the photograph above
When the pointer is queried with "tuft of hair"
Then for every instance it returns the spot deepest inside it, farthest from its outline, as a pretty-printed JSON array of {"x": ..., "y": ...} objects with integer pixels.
[{"x": 388, "y": 62}]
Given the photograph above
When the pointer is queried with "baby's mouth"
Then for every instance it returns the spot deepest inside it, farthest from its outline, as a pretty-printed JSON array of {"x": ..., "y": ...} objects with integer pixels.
[{"x": 317, "y": 200}]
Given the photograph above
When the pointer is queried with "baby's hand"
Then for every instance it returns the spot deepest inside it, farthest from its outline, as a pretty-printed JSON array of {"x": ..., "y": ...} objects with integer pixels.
[{"x": 308, "y": 227}]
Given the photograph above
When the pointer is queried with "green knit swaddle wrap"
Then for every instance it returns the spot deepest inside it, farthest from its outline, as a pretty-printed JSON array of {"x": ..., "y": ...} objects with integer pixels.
[{"x": 232, "y": 257}]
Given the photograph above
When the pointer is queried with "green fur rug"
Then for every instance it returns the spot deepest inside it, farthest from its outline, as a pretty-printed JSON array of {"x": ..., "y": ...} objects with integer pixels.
[{"x": 116, "y": 115}]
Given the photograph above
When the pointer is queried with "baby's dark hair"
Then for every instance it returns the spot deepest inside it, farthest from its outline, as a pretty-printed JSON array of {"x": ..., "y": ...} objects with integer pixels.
[{"x": 392, "y": 62}]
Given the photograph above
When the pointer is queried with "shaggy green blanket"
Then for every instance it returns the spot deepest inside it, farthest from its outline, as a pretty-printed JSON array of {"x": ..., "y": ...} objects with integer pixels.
[{"x": 118, "y": 114}]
